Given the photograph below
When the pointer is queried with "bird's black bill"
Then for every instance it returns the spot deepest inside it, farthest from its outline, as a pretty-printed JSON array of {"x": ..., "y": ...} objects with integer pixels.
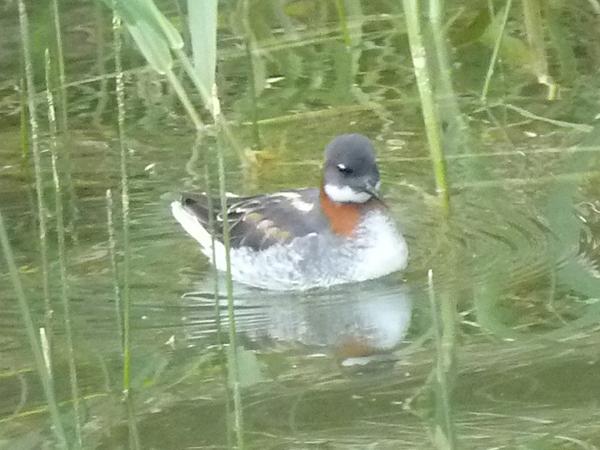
[{"x": 371, "y": 190}]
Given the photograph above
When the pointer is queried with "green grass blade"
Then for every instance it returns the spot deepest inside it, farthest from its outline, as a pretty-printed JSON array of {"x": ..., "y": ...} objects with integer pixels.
[
  {"x": 202, "y": 17},
  {"x": 495, "y": 52},
  {"x": 23, "y": 118},
  {"x": 152, "y": 45},
  {"x": 256, "y": 69},
  {"x": 534, "y": 27},
  {"x": 126, "y": 298},
  {"x": 101, "y": 47},
  {"x": 154, "y": 35},
  {"x": 455, "y": 134},
  {"x": 120, "y": 94},
  {"x": 64, "y": 123},
  {"x": 37, "y": 164},
  {"x": 343, "y": 19},
  {"x": 38, "y": 358},
  {"x": 62, "y": 257},
  {"x": 424, "y": 84},
  {"x": 225, "y": 129},
  {"x": 184, "y": 99},
  {"x": 146, "y": 11},
  {"x": 233, "y": 361},
  {"x": 112, "y": 250},
  {"x": 60, "y": 61},
  {"x": 444, "y": 324}
]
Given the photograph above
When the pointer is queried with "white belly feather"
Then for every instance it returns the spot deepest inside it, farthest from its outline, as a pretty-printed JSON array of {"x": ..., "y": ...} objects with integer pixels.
[{"x": 310, "y": 261}]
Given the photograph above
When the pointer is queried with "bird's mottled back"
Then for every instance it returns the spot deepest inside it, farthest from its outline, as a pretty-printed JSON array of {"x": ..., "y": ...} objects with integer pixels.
[{"x": 261, "y": 221}]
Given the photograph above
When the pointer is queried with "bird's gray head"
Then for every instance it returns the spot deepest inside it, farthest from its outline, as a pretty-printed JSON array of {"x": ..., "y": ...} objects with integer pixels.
[{"x": 350, "y": 172}]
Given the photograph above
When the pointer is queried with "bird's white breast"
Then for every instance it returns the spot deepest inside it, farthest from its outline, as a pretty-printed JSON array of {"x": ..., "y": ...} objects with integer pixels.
[{"x": 383, "y": 250}]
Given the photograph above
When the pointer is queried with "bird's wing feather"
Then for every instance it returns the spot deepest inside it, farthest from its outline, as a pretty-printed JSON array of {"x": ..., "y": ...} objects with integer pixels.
[{"x": 259, "y": 222}]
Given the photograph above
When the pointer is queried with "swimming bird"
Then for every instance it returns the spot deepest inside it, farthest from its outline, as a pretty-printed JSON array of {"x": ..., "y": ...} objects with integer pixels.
[{"x": 299, "y": 239}]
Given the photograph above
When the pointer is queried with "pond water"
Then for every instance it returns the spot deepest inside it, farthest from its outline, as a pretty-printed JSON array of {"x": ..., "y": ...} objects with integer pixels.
[{"x": 489, "y": 339}]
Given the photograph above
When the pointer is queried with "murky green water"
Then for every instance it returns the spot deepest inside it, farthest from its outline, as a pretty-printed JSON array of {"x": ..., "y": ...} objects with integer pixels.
[{"x": 500, "y": 348}]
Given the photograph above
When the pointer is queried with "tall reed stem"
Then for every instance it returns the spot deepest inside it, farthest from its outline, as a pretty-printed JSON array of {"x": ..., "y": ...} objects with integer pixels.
[
  {"x": 103, "y": 94},
  {"x": 424, "y": 84},
  {"x": 343, "y": 19},
  {"x": 23, "y": 119},
  {"x": 455, "y": 133},
  {"x": 126, "y": 299},
  {"x": 184, "y": 99},
  {"x": 253, "y": 97},
  {"x": 62, "y": 257},
  {"x": 64, "y": 122},
  {"x": 250, "y": 46},
  {"x": 38, "y": 358},
  {"x": 233, "y": 360},
  {"x": 60, "y": 60},
  {"x": 534, "y": 26},
  {"x": 120, "y": 94},
  {"x": 495, "y": 52},
  {"x": 206, "y": 99},
  {"x": 37, "y": 165},
  {"x": 443, "y": 315},
  {"x": 216, "y": 290},
  {"x": 112, "y": 250}
]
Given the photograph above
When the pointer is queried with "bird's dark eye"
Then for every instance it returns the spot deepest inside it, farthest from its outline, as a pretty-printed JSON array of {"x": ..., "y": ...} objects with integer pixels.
[{"x": 344, "y": 169}]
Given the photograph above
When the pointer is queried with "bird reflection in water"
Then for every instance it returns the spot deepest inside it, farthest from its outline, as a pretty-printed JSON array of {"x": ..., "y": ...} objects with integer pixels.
[{"x": 353, "y": 322}]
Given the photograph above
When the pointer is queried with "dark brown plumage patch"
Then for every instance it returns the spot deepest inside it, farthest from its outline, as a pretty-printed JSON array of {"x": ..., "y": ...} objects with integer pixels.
[{"x": 261, "y": 221}]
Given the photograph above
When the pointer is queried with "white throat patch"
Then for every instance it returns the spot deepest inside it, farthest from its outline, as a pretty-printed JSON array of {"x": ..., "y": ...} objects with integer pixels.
[{"x": 345, "y": 194}]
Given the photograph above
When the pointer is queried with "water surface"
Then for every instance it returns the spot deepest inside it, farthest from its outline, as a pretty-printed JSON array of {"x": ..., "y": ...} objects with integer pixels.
[{"x": 513, "y": 300}]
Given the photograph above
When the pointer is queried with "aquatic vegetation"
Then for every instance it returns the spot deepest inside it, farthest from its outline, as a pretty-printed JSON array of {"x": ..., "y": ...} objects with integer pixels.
[{"x": 485, "y": 117}]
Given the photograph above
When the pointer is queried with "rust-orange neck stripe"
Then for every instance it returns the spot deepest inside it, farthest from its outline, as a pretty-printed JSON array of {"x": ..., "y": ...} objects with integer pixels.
[{"x": 343, "y": 217}]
